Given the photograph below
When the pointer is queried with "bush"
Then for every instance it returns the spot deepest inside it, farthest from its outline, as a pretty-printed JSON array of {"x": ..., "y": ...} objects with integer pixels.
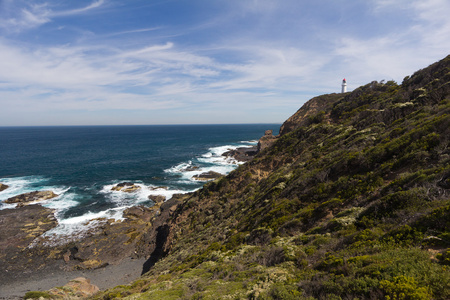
[
  {"x": 404, "y": 288},
  {"x": 444, "y": 258},
  {"x": 37, "y": 295}
]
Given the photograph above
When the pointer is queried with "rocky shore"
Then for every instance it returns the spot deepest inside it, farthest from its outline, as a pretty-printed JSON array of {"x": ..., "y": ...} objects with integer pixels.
[
  {"x": 110, "y": 253},
  {"x": 27, "y": 255}
]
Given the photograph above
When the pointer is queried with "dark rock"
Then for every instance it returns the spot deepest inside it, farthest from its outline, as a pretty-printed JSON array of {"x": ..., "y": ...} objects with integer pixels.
[
  {"x": 124, "y": 184},
  {"x": 242, "y": 154},
  {"x": 32, "y": 196},
  {"x": 3, "y": 187},
  {"x": 191, "y": 168},
  {"x": 159, "y": 187},
  {"x": 157, "y": 198},
  {"x": 206, "y": 176}
]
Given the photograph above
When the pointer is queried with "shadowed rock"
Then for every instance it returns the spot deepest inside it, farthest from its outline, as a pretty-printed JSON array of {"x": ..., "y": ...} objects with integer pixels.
[{"x": 242, "y": 154}]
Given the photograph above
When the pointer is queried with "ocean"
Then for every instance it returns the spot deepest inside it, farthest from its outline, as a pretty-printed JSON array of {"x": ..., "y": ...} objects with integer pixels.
[{"x": 82, "y": 163}]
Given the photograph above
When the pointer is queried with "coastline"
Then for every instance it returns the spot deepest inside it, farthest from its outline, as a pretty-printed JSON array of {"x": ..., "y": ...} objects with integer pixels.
[{"x": 97, "y": 256}]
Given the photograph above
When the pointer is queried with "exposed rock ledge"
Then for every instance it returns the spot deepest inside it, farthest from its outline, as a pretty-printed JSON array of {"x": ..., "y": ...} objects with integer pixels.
[
  {"x": 20, "y": 226},
  {"x": 3, "y": 187},
  {"x": 31, "y": 197}
]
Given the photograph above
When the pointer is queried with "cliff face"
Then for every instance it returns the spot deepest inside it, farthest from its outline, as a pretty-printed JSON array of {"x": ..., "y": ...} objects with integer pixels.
[{"x": 351, "y": 201}]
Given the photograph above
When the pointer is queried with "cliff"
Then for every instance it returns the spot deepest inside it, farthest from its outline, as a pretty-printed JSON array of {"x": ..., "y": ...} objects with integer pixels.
[{"x": 351, "y": 201}]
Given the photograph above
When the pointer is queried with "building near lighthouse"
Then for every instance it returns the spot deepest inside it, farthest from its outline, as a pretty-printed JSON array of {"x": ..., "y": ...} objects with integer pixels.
[{"x": 344, "y": 86}]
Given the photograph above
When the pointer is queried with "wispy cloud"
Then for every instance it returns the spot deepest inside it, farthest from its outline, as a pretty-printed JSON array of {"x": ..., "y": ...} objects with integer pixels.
[
  {"x": 77, "y": 11},
  {"x": 20, "y": 15}
]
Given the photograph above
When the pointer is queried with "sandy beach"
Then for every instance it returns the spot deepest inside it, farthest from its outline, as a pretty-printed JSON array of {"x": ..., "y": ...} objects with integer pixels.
[{"x": 107, "y": 277}]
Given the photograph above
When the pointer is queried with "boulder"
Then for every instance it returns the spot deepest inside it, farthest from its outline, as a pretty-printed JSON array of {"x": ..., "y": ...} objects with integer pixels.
[
  {"x": 127, "y": 187},
  {"x": 78, "y": 288},
  {"x": 207, "y": 176},
  {"x": 31, "y": 197},
  {"x": 157, "y": 198},
  {"x": 3, "y": 187}
]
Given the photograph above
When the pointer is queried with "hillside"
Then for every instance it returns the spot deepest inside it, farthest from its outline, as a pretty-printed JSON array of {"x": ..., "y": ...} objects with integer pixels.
[{"x": 352, "y": 201}]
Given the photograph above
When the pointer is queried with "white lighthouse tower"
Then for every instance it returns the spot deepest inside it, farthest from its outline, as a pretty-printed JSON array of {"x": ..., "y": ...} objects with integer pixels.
[{"x": 344, "y": 86}]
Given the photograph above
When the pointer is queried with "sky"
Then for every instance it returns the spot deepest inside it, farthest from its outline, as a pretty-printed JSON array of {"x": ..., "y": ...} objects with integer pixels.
[{"x": 133, "y": 62}]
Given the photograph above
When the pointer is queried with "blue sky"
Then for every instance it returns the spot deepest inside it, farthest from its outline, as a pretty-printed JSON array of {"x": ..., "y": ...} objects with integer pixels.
[{"x": 113, "y": 62}]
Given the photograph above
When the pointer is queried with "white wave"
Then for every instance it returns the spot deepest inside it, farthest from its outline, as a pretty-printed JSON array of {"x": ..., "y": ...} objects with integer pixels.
[
  {"x": 213, "y": 160},
  {"x": 71, "y": 229},
  {"x": 22, "y": 185},
  {"x": 74, "y": 228},
  {"x": 138, "y": 196}
]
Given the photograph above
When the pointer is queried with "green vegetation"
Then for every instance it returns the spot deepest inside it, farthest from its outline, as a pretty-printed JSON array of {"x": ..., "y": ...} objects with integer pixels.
[
  {"x": 351, "y": 202},
  {"x": 38, "y": 295}
]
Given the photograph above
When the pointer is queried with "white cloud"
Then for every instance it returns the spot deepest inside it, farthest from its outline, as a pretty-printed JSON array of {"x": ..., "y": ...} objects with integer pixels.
[{"x": 77, "y": 11}]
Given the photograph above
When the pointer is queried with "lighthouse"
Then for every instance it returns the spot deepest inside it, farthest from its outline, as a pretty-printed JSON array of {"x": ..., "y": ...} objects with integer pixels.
[{"x": 344, "y": 86}]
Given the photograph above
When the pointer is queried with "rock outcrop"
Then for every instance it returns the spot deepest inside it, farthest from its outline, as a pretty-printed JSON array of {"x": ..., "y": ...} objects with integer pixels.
[
  {"x": 139, "y": 212},
  {"x": 242, "y": 154},
  {"x": 127, "y": 187},
  {"x": 266, "y": 141},
  {"x": 31, "y": 197},
  {"x": 3, "y": 187},
  {"x": 207, "y": 176},
  {"x": 157, "y": 198}
]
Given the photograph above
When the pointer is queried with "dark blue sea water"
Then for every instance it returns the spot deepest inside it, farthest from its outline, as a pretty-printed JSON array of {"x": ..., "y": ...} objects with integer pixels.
[{"x": 82, "y": 163}]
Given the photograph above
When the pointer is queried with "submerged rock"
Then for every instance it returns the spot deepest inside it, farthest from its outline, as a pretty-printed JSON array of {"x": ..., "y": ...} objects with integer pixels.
[
  {"x": 127, "y": 187},
  {"x": 3, "y": 187},
  {"x": 31, "y": 197},
  {"x": 207, "y": 176}
]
